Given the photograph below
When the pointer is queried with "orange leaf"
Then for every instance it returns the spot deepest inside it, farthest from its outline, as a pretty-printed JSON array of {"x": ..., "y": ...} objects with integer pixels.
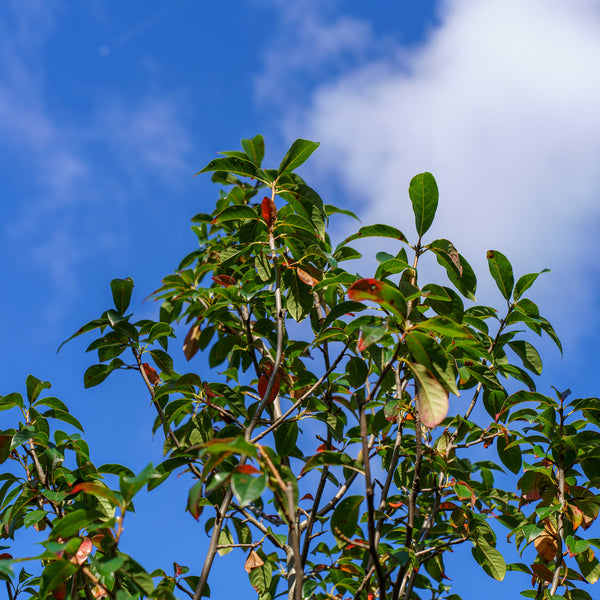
[
  {"x": 151, "y": 374},
  {"x": 541, "y": 572},
  {"x": 546, "y": 547},
  {"x": 269, "y": 211},
  {"x": 190, "y": 344},
  {"x": 224, "y": 280},
  {"x": 395, "y": 504},
  {"x": 254, "y": 561},
  {"x": 248, "y": 469}
]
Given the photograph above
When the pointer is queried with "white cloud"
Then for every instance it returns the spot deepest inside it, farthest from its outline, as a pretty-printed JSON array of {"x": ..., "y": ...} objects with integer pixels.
[{"x": 501, "y": 104}]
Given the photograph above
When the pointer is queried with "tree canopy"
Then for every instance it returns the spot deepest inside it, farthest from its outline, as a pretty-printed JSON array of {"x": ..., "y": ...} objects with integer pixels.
[{"x": 353, "y": 430}]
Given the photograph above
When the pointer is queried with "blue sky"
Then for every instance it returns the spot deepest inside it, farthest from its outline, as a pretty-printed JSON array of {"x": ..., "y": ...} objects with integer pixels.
[{"x": 108, "y": 109}]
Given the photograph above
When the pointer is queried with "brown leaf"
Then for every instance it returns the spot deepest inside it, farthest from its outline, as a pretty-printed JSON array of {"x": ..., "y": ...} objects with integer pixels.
[
  {"x": 224, "y": 280},
  {"x": 151, "y": 374},
  {"x": 254, "y": 561},
  {"x": 304, "y": 277},
  {"x": 190, "y": 344},
  {"x": 545, "y": 546}
]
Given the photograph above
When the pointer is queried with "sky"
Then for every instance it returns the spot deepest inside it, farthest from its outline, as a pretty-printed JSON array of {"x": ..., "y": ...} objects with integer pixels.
[{"x": 107, "y": 110}]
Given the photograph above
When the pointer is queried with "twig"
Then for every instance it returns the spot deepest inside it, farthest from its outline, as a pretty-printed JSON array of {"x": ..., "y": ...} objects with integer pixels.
[{"x": 370, "y": 502}]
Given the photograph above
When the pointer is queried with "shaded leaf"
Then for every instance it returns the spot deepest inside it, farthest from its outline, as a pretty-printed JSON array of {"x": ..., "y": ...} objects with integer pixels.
[{"x": 121, "y": 293}]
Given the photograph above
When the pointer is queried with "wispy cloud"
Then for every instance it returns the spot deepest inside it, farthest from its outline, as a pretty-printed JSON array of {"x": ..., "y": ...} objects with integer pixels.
[
  {"x": 62, "y": 199},
  {"x": 500, "y": 103}
]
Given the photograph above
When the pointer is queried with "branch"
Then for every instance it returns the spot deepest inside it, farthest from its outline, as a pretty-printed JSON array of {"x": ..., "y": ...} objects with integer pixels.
[{"x": 370, "y": 502}]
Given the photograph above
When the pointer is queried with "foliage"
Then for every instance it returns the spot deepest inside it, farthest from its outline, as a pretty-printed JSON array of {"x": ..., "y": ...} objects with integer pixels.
[{"x": 353, "y": 428}]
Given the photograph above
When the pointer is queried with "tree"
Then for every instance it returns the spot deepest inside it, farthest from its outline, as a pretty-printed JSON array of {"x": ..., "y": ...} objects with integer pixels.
[{"x": 325, "y": 448}]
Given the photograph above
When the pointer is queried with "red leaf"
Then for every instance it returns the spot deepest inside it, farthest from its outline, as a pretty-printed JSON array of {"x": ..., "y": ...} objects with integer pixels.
[
  {"x": 269, "y": 211},
  {"x": 307, "y": 497},
  {"x": 151, "y": 374},
  {"x": 365, "y": 289},
  {"x": 248, "y": 469},
  {"x": 224, "y": 280},
  {"x": 263, "y": 383},
  {"x": 209, "y": 392},
  {"x": 5, "y": 556}
]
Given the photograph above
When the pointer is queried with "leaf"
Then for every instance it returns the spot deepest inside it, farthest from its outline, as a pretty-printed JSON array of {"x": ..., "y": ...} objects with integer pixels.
[
  {"x": 328, "y": 457},
  {"x": 357, "y": 370},
  {"x": 501, "y": 271},
  {"x": 235, "y": 212},
  {"x": 151, "y": 373},
  {"x": 255, "y": 149},
  {"x": 5, "y": 443},
  {"x": 246, "y": 488},
  {"x": 509, "y": 455},
  {"x": 344, "y": 519},
  {"x": 380, "y": 292},
  {"x": 190, "y": 344},
  {"x": 459, "y": 271},
  {"x": 121, "y": 293},
  {"x": 253, "y": 561},
  {"x": 299, "y": 151},
  {"x": 378, "y": 230},
  {"x": 528, "y": 355},
  {"x": 130, "y": 486},
  {"x": 525, "y": 282},
  {"x": 35, "y": 387},
  {"x": 489, "y": 558},
  {"x": 95, "y": 375},
  {"x": 268, "y": 211},
  {"x": 424, "y": 195},
  {"x": 286, "y": 436},
  {"x": 235, "y": 165},
  {"x": 432, "y": 397}
]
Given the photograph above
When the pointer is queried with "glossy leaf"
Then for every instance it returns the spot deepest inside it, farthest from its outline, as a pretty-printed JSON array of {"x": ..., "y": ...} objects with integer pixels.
[
  {"x": 121, "y": 293},
  {"x": 298, "y": 153},
  {"x": 380, "y": 292},
  {"x": 255, "y": 149},
  {"x": 501, "y": 271},
  {"x": 424, "y": 195},
  {"x": 489, "y": 558},
  {"x": 432, "y": 397},
  {"x": 344, "y": 519}
]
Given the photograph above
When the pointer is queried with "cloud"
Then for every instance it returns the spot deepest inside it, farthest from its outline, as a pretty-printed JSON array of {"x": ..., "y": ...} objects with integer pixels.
[{"x": 500, "y": 103}]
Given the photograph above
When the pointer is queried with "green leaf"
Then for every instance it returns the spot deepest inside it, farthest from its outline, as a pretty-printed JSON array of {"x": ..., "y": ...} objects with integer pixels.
[
  {"x": 344, "y": 519},
  {"x": 130, "y": 486},
  {"x": 377, "y": 230},
  {"x": 5, "y": 444},
  {"x": 247, "y": 488},
  {"x": 432, "y": 396},
  {"x": 121, "y": 293},
  {"x": 35, "y": 387},
  {"x": 329, "y": 457},
  {"x": 163, "y": 361},
  {"x": 528, "y": 355},
  {"x": 489, "y": 558},
  {"x": 424, "y": 195},
  {"x": 509, "y": 455},
  {"x": 525, "y": 282},
  {"x": 235, "y": 213},
  {"x": 255, "y": 149},
  {"x": 299, "y": 151},
  {"x": 357, "y": 370},
  {"x": 54, "y": 574},
  {"x": 235, "y": 165},
  {"x": 459, "y": 271},
  {"x": 286, "y": 436},
  {"x": 501, "y": 271}
]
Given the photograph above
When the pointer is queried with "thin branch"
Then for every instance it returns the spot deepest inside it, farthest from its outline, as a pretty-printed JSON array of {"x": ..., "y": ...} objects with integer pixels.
[{"x": 370, "y": 502}]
